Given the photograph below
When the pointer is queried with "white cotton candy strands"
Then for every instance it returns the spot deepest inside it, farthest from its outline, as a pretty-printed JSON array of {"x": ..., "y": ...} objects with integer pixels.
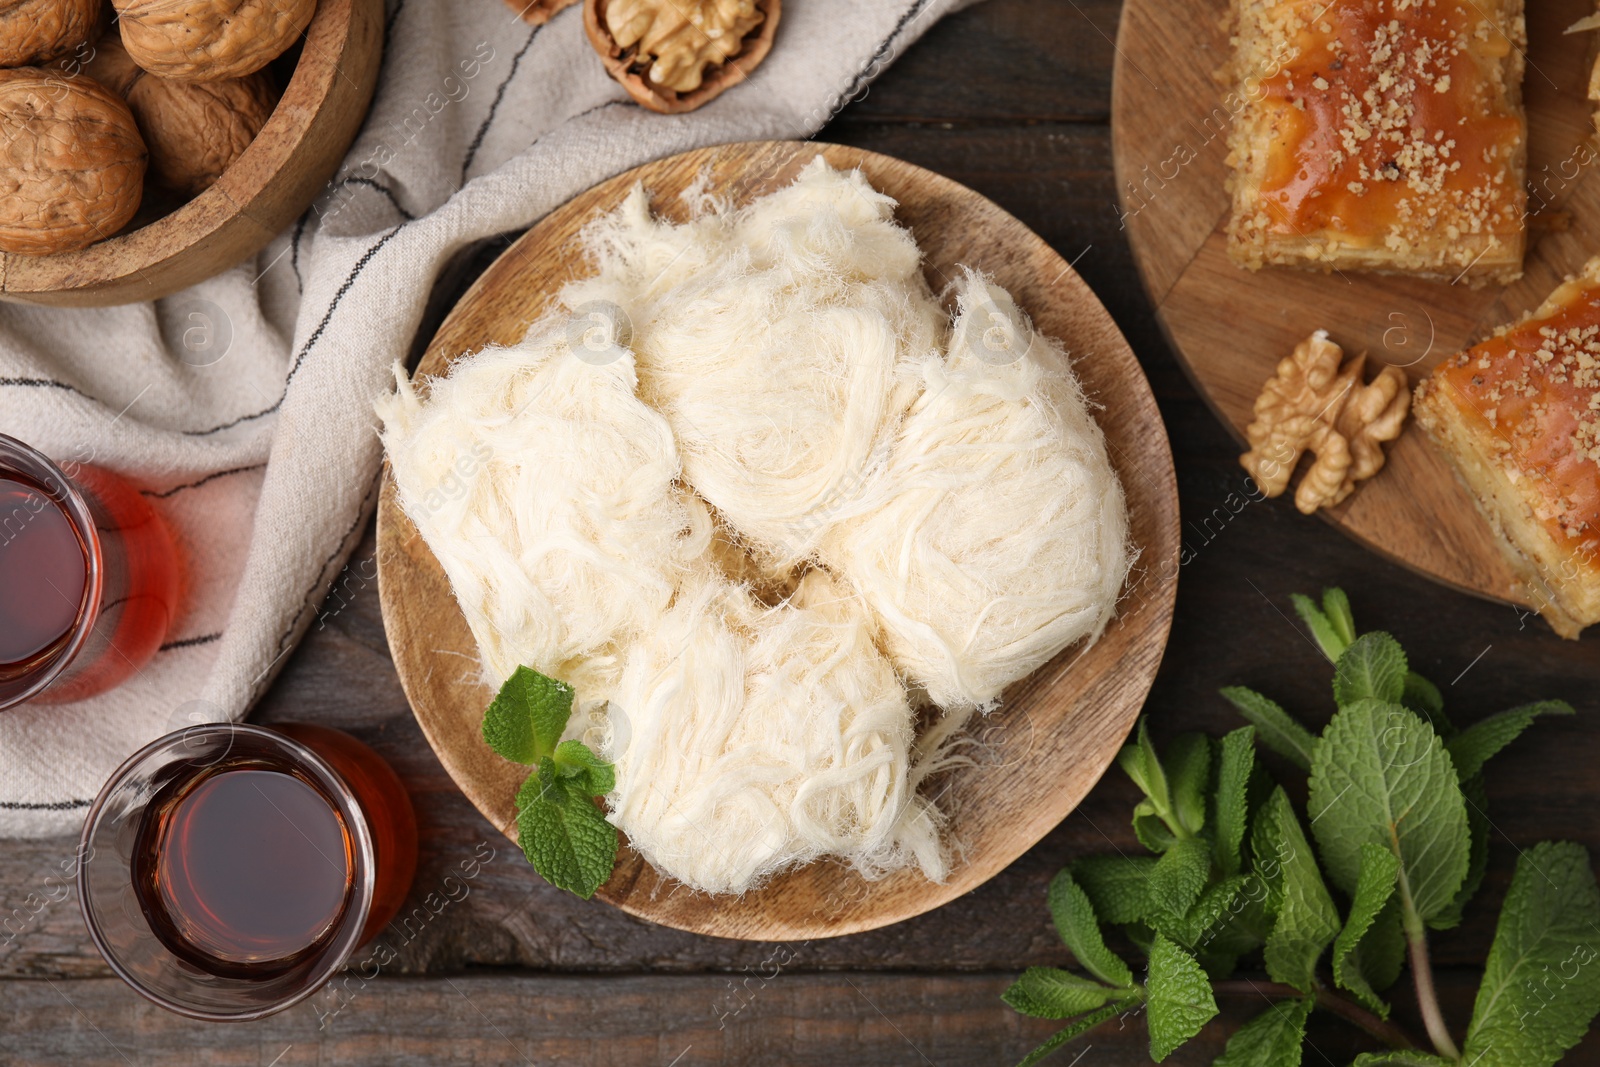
[
  {"x": 772, "y": 339},
  {"x": 996, "y": 535},
  {"x": 749, "y": 740},
  {"x": 549, "y": 494},
  {"x": 795, "y": 504}
]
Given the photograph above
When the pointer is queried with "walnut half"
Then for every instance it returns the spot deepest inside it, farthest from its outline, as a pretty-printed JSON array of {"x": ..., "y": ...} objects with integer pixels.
[
  {"x": 676, "y": 55},
  {"x": 1313, "y": 404}
]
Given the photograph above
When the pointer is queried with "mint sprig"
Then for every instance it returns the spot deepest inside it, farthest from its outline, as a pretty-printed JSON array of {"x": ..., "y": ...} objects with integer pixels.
[
  {"x": 1397, "y": 823},
  {"x": 562, "y": 832}
]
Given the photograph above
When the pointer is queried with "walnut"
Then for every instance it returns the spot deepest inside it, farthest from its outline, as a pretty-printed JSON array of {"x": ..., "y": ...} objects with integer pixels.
[
  {"x": 36, "y": 32},
  {"x": 208, "y": 40},
  {"x": 72, "y": 162},
  {"x": 1314, "y": 405},
  {"x": 195, "y": 130},
  {"x": 1375, "y": 413},
  {"x": 676, "y": 55},
  {"x": 539, "y": 12}
]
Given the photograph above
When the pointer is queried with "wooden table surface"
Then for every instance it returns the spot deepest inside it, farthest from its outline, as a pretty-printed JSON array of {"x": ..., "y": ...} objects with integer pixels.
[{"x": 1012, "y": 98}]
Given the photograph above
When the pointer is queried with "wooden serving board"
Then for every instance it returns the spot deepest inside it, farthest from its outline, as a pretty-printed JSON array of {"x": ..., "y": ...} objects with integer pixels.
[
  {"x": 1057, "y": 731},
  {"x": 1170, "y": 128}
]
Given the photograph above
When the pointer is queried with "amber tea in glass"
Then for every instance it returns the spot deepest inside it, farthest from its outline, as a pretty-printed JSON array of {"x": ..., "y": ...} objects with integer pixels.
[
  {"x": 233, "y": 869},
  {"x": 89, "y": 579}
]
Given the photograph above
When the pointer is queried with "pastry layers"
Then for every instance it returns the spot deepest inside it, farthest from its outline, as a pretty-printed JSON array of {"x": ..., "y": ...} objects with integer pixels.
[
  {"x": 1519, "y": 417},
  {"x": 1380, "y": 135}
]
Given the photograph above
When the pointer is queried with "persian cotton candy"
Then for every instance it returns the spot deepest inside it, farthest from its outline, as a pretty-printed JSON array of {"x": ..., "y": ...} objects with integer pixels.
[
  {"x": 776, "y": 341},
  {"x": 548, "y": 492},
  {"x": 750, "y": 739},
  {"x": 996, "y": 534}
]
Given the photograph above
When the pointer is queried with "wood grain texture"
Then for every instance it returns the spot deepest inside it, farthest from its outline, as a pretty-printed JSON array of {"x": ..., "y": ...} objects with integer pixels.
[
  {"x": 268, "y": 187},
  {"x": 1008, "y": 97},
  {"x": 1058, "y": 730},
  {"x": 766, "y": 1017},
  {"x": 1230, "y": 326}
]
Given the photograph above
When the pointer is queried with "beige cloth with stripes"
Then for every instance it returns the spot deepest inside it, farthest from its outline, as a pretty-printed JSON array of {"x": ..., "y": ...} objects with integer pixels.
[{"x": 244, "y": 405}]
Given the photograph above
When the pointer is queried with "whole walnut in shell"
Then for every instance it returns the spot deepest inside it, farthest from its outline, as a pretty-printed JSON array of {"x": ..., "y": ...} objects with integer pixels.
[
  {"x": 208, "y": 40},
  {"x": 72, "y": 162},
  {"x": 194, "y": 130},
  {"x": 35, "y": 32}
]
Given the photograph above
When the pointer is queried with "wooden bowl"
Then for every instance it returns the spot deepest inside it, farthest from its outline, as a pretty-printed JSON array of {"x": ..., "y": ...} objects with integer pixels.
[
  {"x": 1056, "y": 731},
  {"x": 268, "y": 187},
  {"x": 1230, "y": 327}
]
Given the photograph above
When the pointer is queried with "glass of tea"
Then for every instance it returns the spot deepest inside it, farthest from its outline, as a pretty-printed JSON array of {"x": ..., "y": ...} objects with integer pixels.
[
  {"x": 229, "y": 871},
  {"x": 89, "y": 579}
]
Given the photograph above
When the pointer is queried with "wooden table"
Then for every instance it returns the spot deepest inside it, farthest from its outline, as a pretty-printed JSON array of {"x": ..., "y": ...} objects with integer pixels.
[{"x": 1011, "y": 98}]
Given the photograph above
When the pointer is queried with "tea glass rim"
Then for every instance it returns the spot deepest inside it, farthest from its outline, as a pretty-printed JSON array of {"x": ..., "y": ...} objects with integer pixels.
[
  {"x": 24, "y": 459},
  {"x": 362, "y": 887}
]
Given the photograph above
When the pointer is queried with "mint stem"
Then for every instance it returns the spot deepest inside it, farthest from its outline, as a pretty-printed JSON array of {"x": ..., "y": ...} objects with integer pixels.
[
  {"x": 1427, "y": 999},
  {"x": 1329, "y": 1001},
  {"x": 1353, "y": 1013}
]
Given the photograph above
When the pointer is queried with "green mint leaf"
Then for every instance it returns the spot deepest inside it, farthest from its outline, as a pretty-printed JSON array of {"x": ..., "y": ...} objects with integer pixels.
[
  {"x": 525, "y": 720},
  {"x": 1080, "y": 931},
  {"x": 1179, "y": 877},
  {"x": 1075, "y": 1029},
  {"x": 1478, "y": 828},
  {"x": 1478, "y": 743},
  {"x": 1401, "y": 1058},
  {"x": 1194, "y": 930},
  {"x": 1372, "y": 668},
  {"x": 1541, "y": 986},
  {"x": 1424, "y": 698},
  {"x": 1381, "y": 775},
  {"x": 1277, "y": 730},
  {"x": 1051, "y": 993},
  {"x": 1267, "y": 853},
  {"x": 1307, "y": 920},
  {"x": 1179, "y": 998},
  {"x": 1323, "y": 631},
  {"x": 1275, "y": 1038},
  {"x": 1245, "y": 924},
  {"x": 1382, "y": 952},
  {"x": 565, "y": 837},
  {"x": 574, "y": 760},
  {"x": 1117, "y": 886},
  {"x": 1150, "y": 828},
  {"x": 1336, "y": 606},
  {"x": 1140, "y": 762},
  {"x": 1380, "y": 873},
  {"x": 1188, "y": 768},
  {"x": 1234, "y": 767}
]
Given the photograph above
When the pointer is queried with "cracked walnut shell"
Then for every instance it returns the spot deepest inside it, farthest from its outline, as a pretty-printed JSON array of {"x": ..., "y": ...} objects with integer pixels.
[
  {"x": 1312, "y": 404},
  {"x": 677, "y": 55},
  {"x": 72, "y": 162},
  {"x": 35, "y": 32},
  {"x": 208, "y": 40},
  {"x": 194, "y": 130}
]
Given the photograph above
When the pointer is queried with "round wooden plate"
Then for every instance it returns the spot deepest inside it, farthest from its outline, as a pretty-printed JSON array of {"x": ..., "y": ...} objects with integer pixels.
[
  {"x": 285, "y": 168},
  {"x": 1057, "y": 731},
  {"x": 1170, "y": 128}
]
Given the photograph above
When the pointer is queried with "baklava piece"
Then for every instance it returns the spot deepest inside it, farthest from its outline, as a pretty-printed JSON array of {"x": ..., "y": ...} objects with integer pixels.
[
  {"x": 1382, "y": 135},
  {"x": 1519, "y": 417}
]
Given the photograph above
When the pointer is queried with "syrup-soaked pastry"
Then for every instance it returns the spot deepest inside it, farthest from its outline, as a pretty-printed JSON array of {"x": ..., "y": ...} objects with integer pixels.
[
  {"x": 1519, "y": 417},
  {"x": 1383, "y": 135}
]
